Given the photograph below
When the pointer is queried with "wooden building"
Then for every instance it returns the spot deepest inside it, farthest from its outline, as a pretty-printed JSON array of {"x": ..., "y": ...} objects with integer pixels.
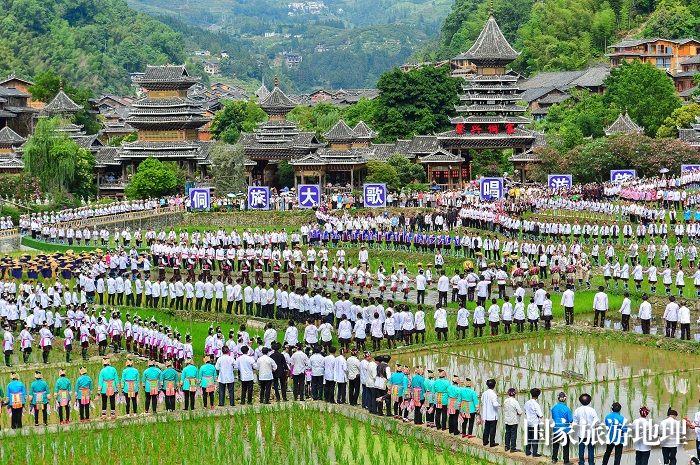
[
  {"x": 623, "y": 125},
  {"x": 277, "y": 138},
  {"x": 666, "y": 54},
  {"x": 490, "y": 116}
]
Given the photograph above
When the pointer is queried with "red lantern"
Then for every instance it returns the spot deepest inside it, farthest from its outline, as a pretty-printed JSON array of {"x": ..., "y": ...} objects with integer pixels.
[
  {"x": 460, "y": 128},
  {"x": 510, "y": 128},
  {"x": 493, "y": 129},
  {"x": 476, "y": 129}
]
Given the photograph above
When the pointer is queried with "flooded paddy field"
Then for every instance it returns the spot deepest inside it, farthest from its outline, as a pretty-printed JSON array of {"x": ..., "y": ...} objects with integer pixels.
[{"x": 611, "y": 371}]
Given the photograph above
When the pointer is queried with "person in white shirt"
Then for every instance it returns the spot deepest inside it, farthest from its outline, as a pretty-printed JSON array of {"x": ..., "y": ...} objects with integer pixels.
[
  {"x": 420, "y": 287},
  {"x": 625, "y": 311},
  {"x": 511, "y": 417},
  {"x": 246, "y": 364},
  {"x": 329, "y": 376},
  {"x": 443, "y": 287},
  {"x": 494, "y": 317},
  {"x": 671, "y": 317},
  {"x": 265, "y": 367},
  {"x": 225, "y": 366},
  {"x": 671, "y": 433},
  {"x": 533, "y": 415},
  {"x": 643, "y": 434},
  {"x": 489, "y": 412},
  {"x": 684, "y": 322},
  {"x": 299, "y": 363},
  {"x": 340, "y": 375},
  {"x": 567, "y": 301},
  {"x": 291, "y": 335},
  {"x": 587, "y": 420},
  {"x": 317, "y": 364},
  {"x": 440, "y": 318},
  {"x": 462, "y": 322},
  {"x": 8, "y": 345},
  {"x": 354, "y": 377},
  {"x": 533, "y": 314},
  {"x": 645, "y": 314},
  {"x": 600, "y": 306}
]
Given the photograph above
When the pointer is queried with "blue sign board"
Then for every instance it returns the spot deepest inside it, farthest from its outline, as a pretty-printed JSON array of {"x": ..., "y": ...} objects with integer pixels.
[
  {"x": 374, "y": 195},
  {"x": 560, "y": 181},
  {"x": 258, "y": 198},
  {"x": 620, "y": 176},
  {"x": 491, "y": 188},
  {"x": 200, "y": 198},
  {"x": 685, "y": 168},
  {"x": 309, "y": 195}
]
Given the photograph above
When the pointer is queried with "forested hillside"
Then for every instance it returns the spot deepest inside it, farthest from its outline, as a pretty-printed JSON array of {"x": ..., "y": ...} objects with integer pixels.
[
  {"x": 343, "y": 43},
  {"x": 95, "y": 43},
  {"x": 563, "y": 34}
]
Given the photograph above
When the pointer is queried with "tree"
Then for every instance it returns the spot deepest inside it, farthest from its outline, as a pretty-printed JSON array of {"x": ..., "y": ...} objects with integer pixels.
[
  {"x": 671, "y": 19},
  {"x": 383, "y": 173},
  {"x": 408, "y": 171},
  {"x": 417, "y": 102},
  {"x": 228, "y": 167},
  {"x": 46, "y": 86},
  {"x": 491, "y": 163},
  {"x": 153, "y": 178},
  {"x": 234, "y": 118},
  {"x": 285, "y": 174},
  {"x": 646, "y": 92},
  {"x": 363, "y": 110},
  {"x": 51, "y": 156},
  {"x": 592, "y": 162},
  {"x": 681, "y": 117},
  {"x": 84, "y": 185},
  {"x": 317, "y": 118},
  {"x": 583, "y": 115}
]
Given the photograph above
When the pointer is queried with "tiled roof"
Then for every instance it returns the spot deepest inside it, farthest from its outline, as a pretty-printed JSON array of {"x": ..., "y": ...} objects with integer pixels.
[
  {"x": 594, "y": 76},
  {"x": 694, "y": 60},
  {"x": 164, "y": 73},
  {"x": 10, "y": 137},
  {"x": 107, "y": 156},
  {"x": 277, "y": 100},
  {"x": 11, "y": 92},
  {"x": 262, "y": 92},
  {"x": 554, "y": 97},
  {"x": 688, "y": 92},
  {"x": 87, "y": 141},
  {"x": 340, "y": 132},
  {"x": 382, "y": 152},
  {"x": 441, "y": 156},
  {"x": 636, "y": 42},
  {"x": 423, "y": 144},
  {"x": 362, "y": 131},
  {"x": 12, "y": 77},
  {"x": 491, "y": 45},
  {"x": 551, "y": 80},
  {"x": 623, "y": 125},
  {"x": 12, "y": 162},
  {"x": 61, "y": 103},
  {"x": 689, "y": 136}
]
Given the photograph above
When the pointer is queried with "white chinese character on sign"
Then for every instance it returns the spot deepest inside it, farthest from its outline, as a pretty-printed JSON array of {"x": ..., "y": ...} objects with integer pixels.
[
  {"x": 200, "y": 199},
  {"x": 374, "y": 195},
  {"x": 308, "y": 196},
  {"x": 559, "y": 182},
  {"x": 491, "y": 188},
  {"x": 622, "y": 176},
  {"x": 258, "y": 197}
]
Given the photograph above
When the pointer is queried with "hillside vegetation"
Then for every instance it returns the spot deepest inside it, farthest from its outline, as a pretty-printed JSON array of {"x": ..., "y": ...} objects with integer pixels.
[{"x": 96, "y": 43}]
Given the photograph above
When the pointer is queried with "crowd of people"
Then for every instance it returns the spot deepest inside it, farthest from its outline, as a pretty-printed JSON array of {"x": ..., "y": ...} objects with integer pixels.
[{"x": 420, "y": 395}]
